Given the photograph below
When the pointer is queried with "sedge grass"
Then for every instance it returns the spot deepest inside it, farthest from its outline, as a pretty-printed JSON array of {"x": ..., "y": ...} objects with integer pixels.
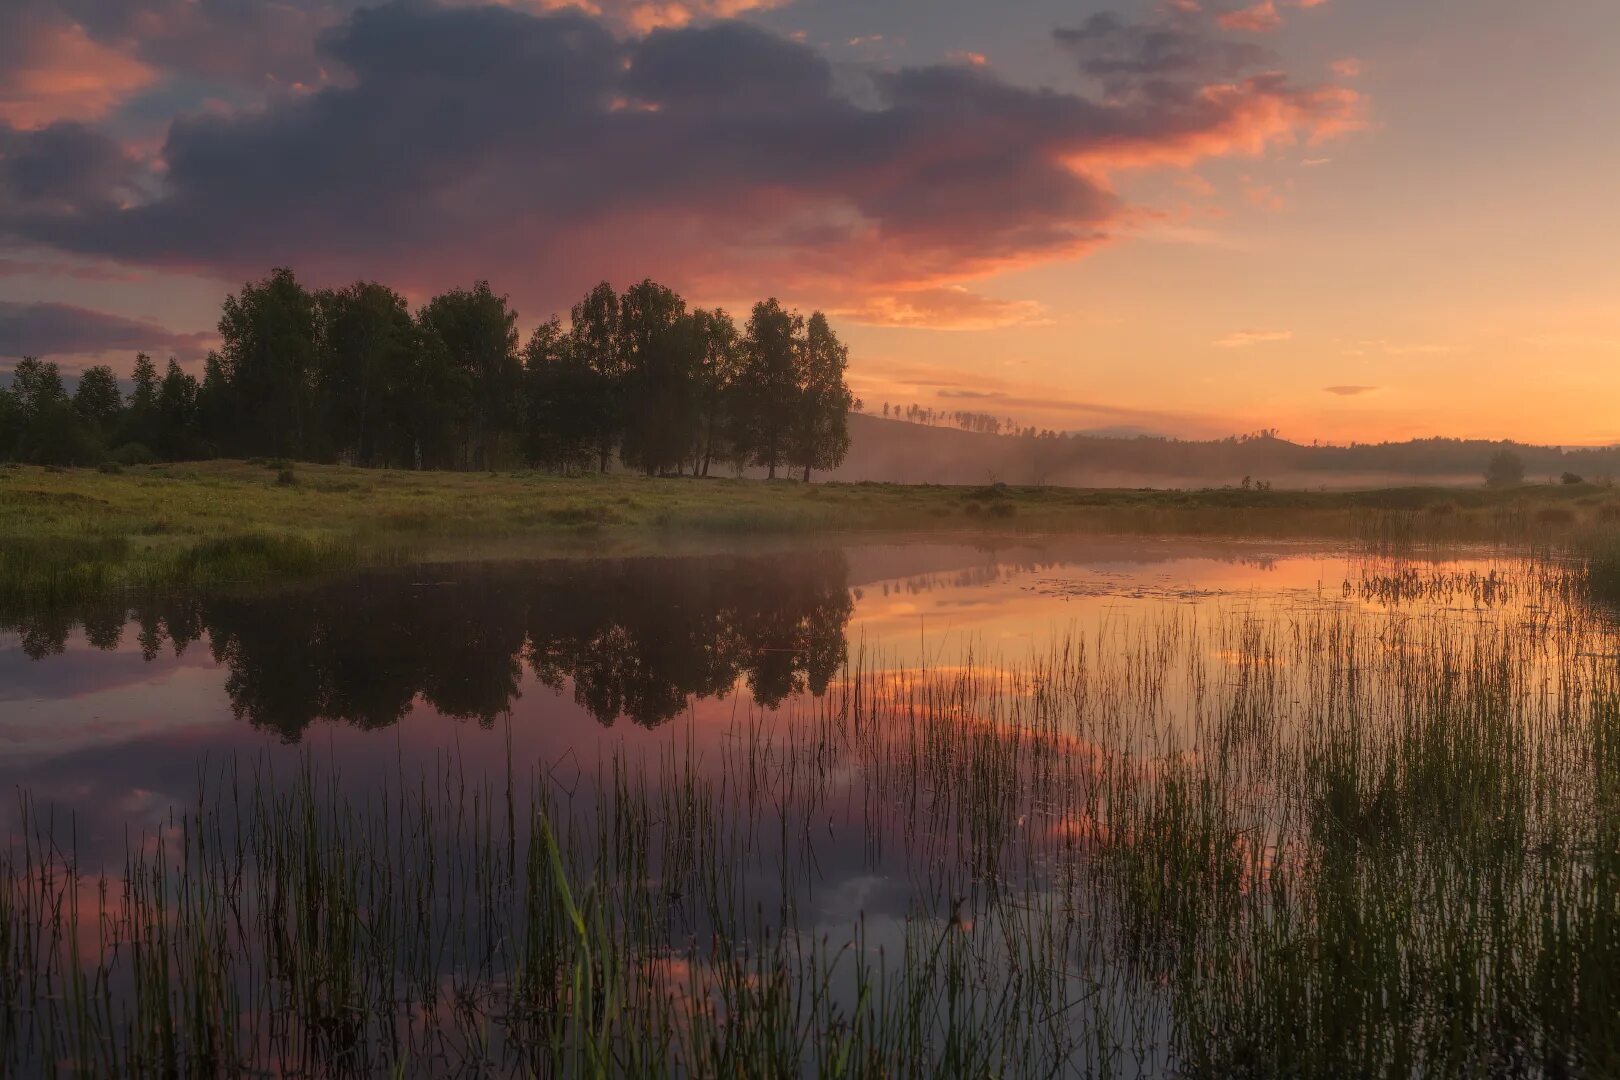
[{"x": 1345, "y": 839}]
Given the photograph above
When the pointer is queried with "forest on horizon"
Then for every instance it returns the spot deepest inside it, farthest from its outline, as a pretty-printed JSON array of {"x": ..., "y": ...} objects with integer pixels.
[
  {"x": 353, "y": 375},
  {"x": 961, "y": 450},
  {"x": 632, "y": 380}
]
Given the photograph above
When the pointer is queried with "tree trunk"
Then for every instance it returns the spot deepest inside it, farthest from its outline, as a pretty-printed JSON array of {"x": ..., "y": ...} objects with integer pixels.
[
  {"x": 807, "y": 474},
  {"x": 771, "y": 475},
  {"x": 365, "y": 458}
]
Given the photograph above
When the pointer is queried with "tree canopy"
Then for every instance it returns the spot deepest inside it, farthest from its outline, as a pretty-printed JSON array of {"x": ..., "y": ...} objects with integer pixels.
[{"x": 352, "y": 374}]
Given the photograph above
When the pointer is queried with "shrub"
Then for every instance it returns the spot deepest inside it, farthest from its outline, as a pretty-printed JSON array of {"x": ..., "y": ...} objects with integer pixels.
[
  {"x": 133, "y": 453},
  {"x": 112, "y": 468},
  {"x": 286, "y": 477},
  {"x": 1505, "y": 469},
  {"x": 1572, "y": 478}
]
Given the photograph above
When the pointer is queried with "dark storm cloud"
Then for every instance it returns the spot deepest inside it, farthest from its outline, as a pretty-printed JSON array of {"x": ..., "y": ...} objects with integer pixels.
[
  {"x": 246, "y": 41},
  {"x": 61, "y": 171},
  {"x": 47, "y": 330},
  {"x": 263, "y": 44},
  {"x": 484, "y": 141},
  {"x": 1175, "y": 49}
]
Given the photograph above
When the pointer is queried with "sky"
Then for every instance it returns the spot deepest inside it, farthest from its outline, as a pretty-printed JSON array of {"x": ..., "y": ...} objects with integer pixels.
[{"x": 1346, "y": 220}]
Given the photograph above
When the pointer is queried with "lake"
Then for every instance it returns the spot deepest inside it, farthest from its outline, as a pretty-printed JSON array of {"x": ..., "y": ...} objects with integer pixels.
[{"x": 1103, "y": 805}]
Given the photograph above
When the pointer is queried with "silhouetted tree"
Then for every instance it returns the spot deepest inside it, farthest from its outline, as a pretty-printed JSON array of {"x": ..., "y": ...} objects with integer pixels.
[
  {"x": 594, "y": 340},
  {"x": 768, "y": 390},
  {"x": 10, "y": 424},
  {"x": 98, "y": 401},
  {"x": 564, "y": 402},
  {"x": 1505, "y": 469},
  {"x": 49, "y": 431},
  {"x": 216, "y": 411},
  {"x": 177, "y": 414},
  {"x": 718, "y": 378},
  {"x": 270, "y": 354},
  {"x": 366, "y": 337},
  {"x": 474, "y": 333},
  {"x": 662, "y": 353},
  {"x": 820, "y": 429},
  {"x": 140, "y": 419}
]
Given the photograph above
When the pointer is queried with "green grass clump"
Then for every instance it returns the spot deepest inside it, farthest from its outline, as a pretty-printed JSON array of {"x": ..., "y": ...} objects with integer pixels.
[{"x": 60, "y": 568}]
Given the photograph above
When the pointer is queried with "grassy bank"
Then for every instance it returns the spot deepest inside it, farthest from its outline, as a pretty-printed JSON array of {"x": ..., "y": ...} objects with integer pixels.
[{"x": 68, "y": 533}]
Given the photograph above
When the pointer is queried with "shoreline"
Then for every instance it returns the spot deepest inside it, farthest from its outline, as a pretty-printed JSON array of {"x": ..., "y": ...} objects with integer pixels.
[{"x": 72, "y": 533}]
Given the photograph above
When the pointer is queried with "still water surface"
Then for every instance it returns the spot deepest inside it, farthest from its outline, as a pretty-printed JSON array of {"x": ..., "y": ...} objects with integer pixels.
[
  {"x": 112, "y": 710},
  {"x": 883, "y": 753}
]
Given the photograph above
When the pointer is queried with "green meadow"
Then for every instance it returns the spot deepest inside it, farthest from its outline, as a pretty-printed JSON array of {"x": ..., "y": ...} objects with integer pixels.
[{"x": 67, "y": 533}]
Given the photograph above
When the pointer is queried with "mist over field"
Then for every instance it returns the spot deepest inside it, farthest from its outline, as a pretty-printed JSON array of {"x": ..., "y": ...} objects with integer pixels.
[{"x": 901, "y": 452}]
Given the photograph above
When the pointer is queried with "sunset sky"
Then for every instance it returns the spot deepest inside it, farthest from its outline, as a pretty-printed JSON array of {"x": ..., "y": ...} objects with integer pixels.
[{"x": 1345, "y": 219}]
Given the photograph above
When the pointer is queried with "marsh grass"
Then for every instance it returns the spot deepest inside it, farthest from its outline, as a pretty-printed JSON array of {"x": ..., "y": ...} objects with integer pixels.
[
  {"x": 1371, "y": 837},
  {"x": 68, "y": 533}
]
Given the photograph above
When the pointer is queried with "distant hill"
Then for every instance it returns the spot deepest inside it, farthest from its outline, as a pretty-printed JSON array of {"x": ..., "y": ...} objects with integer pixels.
[{"x": 903, "y": 452}]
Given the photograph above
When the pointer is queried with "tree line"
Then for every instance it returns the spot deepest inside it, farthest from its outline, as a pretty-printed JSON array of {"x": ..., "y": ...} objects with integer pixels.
[{"x": 353, "y": 375}]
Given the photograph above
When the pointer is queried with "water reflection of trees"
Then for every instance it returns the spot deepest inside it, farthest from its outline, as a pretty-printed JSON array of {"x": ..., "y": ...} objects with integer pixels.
[{"x": 634, "y": 638}]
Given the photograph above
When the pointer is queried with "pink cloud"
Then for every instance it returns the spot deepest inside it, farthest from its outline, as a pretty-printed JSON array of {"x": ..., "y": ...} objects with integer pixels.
[
  {"x": 91, "y": 272},
  {"x": 949, "y": 307},
  {"x": 59, "y": 73},
  {"x": 1263, "y": 196},
  {"x": 1241, "y": 118},
  {"x": 643, "y": 16},
  {"x": 1262, "y": 17},
  {"x": 1257, "y": 18}
]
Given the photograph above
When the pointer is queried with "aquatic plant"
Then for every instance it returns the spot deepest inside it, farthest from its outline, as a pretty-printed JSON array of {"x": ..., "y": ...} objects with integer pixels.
[{"x": 1333, "y": 840}]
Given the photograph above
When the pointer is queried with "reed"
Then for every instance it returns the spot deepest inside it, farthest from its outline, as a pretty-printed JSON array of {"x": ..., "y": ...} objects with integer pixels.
[{"x": 1325, "y": 841}]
